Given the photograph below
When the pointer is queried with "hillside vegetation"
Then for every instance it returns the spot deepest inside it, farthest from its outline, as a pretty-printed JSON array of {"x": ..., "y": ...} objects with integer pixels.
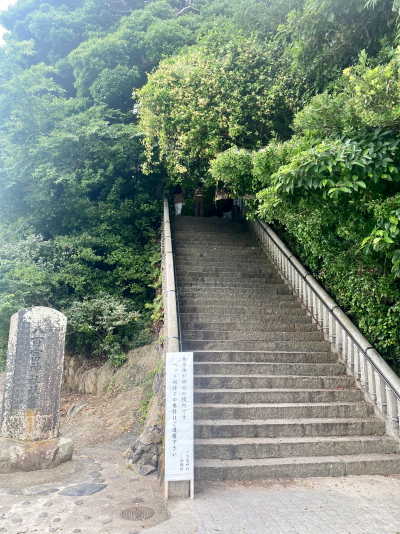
[{"x": 295, "y": 102}]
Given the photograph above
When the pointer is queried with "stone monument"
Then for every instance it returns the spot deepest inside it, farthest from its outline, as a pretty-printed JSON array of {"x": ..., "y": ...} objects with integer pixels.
[{"x": 29, "y": 434}]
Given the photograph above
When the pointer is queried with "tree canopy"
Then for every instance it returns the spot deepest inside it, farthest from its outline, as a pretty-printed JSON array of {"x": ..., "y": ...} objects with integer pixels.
[
  {"x": 295, "y": 103},
  {"x": 304, "y": 116},
  {"x": 210, "y": 97}
]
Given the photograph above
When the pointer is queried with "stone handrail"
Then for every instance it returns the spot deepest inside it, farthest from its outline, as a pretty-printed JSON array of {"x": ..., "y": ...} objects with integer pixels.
[
  {"x": 378, "y": 381},
  {"x": 171, "y": 340}
]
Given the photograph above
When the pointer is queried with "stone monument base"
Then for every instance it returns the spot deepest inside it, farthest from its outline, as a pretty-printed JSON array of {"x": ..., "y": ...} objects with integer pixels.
[{"x": 17, "y": 455}]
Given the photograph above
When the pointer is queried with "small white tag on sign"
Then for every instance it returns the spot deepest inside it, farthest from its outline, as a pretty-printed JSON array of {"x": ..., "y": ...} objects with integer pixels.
[{"x": 179, "y": 457}]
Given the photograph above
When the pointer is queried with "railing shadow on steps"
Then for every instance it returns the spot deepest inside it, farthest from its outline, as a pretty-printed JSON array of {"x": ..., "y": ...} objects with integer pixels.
[{"x": 378, "y": 381}]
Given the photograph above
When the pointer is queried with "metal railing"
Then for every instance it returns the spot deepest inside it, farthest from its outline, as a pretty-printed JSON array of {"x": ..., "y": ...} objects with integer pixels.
[{"x": 378, "y": 381}]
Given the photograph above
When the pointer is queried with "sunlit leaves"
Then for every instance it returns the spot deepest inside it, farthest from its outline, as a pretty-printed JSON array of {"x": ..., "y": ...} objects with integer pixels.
[{"x": 211, "y": 97}]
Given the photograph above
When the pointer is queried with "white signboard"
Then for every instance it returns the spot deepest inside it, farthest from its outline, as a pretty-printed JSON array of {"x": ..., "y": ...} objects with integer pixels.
[{"x": 179, "y": 457}]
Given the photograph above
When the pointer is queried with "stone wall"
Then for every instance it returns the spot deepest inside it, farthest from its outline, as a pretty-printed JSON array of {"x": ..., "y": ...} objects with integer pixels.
[
  {"x": 81, "y": 376},
  {"x": 146, "y": 453}
]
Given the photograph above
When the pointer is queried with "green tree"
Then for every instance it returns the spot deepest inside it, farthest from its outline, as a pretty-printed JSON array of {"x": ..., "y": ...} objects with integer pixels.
[
  {"x": 166, "y": 37},
  {"x": 326, "y": 36},
  {"x": 114, "y": 86},
  {"x": 231, "y": 99},
  {"x": 210, "y": 97},
  {"x": 58, "y": 27},
  {"x": 123, "y": 47}
]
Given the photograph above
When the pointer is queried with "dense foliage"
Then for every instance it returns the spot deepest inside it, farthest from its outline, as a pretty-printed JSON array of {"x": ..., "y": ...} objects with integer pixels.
[
  {"x": 333, "y": 190},
  {"x": 211, "y": 96},
  {"x": 79, "y": 220},
  {"x": 295, "y": 103},
  {"x": 311, "y": 131}
]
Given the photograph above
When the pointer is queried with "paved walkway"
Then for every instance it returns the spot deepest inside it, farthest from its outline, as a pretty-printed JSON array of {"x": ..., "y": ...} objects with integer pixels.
[
  {"x": 351, "y": 505},
  {"x": 87, "y": 496}
]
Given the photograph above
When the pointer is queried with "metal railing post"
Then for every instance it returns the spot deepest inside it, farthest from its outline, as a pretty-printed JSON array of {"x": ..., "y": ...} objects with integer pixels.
[{"x": 377, "y": 379}]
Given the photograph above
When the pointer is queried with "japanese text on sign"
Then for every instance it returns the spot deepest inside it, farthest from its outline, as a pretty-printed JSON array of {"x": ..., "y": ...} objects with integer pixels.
[{"x": 179, "y": 417}]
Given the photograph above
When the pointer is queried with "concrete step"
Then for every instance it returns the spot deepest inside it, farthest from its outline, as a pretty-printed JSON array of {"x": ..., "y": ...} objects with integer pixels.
[
  {"x": 235, "y": 310},
  {"x": 186, "y": 221},
  {"x": 262, "y": 269},
  {"x": 229, "y": 251},
  {"x": 256, "y": 368},
  {"x": 280, "y": 428},
  {"x": 272, "y": 382},
  {"x": 197, "y": 236},
  {"x": 214, "y": 239},
  {"x": 223, "y": 260},
  {"x": 221, "y": 284},
  {"x": 219, "y": 253},
  {"x": 285, "y": 305},
  {"x": 265, "y": 295},
  {"x": 225, "y": 244},
  {"x": 211, "y": 231},
  {"x": 205, "y": 229},
  {"x": 300, "y": 467},
  {"x": 266, "y": 357},
  {"x": 244, "y": 279},
  {"x": 206, "y": 224},
  {"x": 223, "y": 264},
  {"x": 202, "y": 238},
  {"x": 180, "y": 230},
  {"x": 235, "y": 293},
  {"x": 229, "y": 345},
  {"x": 249, "y": 271},
  {"x": 239, "y": 301},
  {"x": 216, "y": 233},
  {"x": 211, "y": 228},
  {"x": 191, "y": 237},
  {"x": 228, "y": 312},
  {"x": 225, "y": 312},
  {"x": 231, "y": 335},
  {"x": 295, "y": 317},
  {"x": 240, "y": 448},
  {"x": 251, "y": 324},
  {"x": 283, "y": 411},
  {"x": 249, "y": 396},
  {"x": 183, "y": 240}
]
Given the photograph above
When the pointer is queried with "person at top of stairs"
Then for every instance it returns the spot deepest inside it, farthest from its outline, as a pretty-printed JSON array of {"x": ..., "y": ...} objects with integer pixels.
[
  {"x": 179, "y": 199},
  {"x": 198, "y": 198}
]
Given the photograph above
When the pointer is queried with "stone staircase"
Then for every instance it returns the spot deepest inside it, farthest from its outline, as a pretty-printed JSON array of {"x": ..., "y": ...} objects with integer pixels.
[{"x": 271, "y": 399}]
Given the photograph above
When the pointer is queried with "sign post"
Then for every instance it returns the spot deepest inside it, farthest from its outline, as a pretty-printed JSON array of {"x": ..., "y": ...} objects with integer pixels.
[{"x": 179, "y": 454}]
